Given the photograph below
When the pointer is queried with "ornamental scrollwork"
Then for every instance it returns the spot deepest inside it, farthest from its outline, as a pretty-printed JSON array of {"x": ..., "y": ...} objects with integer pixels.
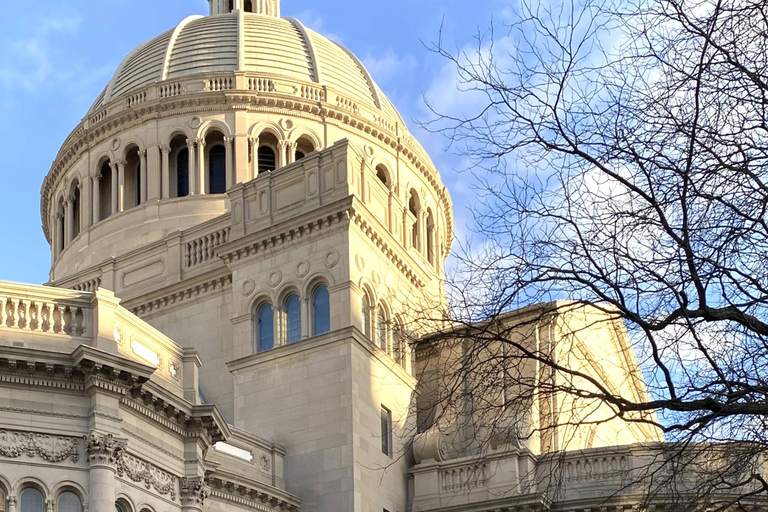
[
  {"x": 152, "y": 477},
  {"x": 48, "y": 447}
]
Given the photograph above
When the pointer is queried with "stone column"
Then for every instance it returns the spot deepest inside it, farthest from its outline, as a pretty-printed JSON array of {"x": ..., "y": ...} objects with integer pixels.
[
  {"x": 96, "y": 200},
  {"x": 121, "y": 185},
  {"x": 143, "y": 176},
  {"x": 228, "y": 143},
  {"x": 58, "y": 233},
  {"x": 282, "y": 158},
  {"x": 13, "y": 502},
  {"x": 192, "y": 166},
  {"x": 192, "y": 494},
  {"x": 201, "y": 176},
  {"x": 69, "y": 219},
  {"x": 292, "y": 152},
  {"x": 254, "y": 148},
  {"x": 166, "y": 172},
  {"x": 114, "y": 188},
  {"x": 104, "y": 455}
]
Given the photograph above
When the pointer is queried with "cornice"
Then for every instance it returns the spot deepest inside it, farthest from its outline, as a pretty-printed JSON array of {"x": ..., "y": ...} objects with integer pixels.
[
  {"x": 249, "y": 493},
  {"x": 180, "y": 293},
  {"x": 82, "y": 138}
]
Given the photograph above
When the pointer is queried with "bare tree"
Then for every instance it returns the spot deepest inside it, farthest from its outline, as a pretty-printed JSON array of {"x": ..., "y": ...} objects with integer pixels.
[{"x": 620, "y": 151}]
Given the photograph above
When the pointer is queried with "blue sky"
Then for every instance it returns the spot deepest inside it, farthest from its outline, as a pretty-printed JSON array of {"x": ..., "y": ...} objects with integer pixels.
[{"x": 59, "y": 54}]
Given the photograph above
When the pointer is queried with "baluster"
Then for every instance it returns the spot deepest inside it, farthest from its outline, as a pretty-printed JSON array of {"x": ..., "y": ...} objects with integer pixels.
[
  {"x": 199, "y": 253},
  {"x": 38, "y": 316},
  {"x": 3, "y": 313},
  {"x": 13, "y": 318},
  {"x": 56, "y": 319},
  {"x": 187, "y": 261},
  {"x": 79, "y": 323},
  {"x": 66, "y": 320}
]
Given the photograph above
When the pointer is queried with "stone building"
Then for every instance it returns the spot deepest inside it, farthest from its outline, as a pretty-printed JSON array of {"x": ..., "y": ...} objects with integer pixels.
[{"x": 243, "y": 237}]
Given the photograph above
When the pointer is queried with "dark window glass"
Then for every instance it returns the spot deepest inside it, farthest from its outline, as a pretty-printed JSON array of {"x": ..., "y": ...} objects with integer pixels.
[
  {"x": 182, "y": 173},
  {"x": 105, "y": 191},
  {"x": 267, "y": 160},
  {"x": 397, "y": 344},
  {"x": 266, "y": 328},
  {"x": 386, "y": 431},
  {"x": 248, "y": 6},
  {"x": 293, "y": 318},
  {"x": 321, "y": 311},
  {"x": 366, "y": 307},
  {"x": 217, "y": 168},
  {"x": 382, "y": 328},
  {"x": 138, "y": 183},
  {"x": 31, "y": 501}
]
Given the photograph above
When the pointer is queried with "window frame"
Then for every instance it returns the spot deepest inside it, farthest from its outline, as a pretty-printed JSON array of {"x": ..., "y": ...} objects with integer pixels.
[
  {"x": 386, "y": 431},
  {"x": 314, "y": 309},
  {"x": 258, "y": 343}
]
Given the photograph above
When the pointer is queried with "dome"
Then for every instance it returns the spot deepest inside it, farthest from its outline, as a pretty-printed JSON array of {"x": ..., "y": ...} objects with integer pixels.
[{"x": 280, "y": 49}]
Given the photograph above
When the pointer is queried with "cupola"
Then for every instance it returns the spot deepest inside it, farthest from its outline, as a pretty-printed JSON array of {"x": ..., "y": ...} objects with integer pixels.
[{"x": 265, "y": 7}]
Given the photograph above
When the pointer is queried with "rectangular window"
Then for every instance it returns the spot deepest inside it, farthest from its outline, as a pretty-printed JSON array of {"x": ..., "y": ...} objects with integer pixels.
[{"x": 386, "y": 431}]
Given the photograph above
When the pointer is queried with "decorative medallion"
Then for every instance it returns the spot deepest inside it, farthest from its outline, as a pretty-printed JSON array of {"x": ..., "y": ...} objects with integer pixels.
[
  {"x": 264, "y": 462},
  {"x": 115, "y": 144},
  {"x": 332, "y": 259},
  {"x": 195, "y": 122},
  {"x": 118, "y": 336},
  {"x": 286, "y": 124},
  {"x": 275, "y": 278},
  {"x": 376, "y": 277},
  {"x": 249, "y": 286},
  {"x": 302, "y": 269},
  {"x": 360, "y": 262},
  {"x": 368, "y": 150}
]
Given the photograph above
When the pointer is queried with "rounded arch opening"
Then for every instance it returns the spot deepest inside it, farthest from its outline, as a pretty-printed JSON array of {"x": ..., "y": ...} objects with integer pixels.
[
  {"x": 366, "y": 308},
  {"x": 178, "y": 175},
  {"x": 216, "y": 163},
  {"x": 382, "y": 173},
  {"x": 414, "y": 208},
  {"x": 31, "y": 499},
  {"x": 74, "y": 194},
  {"x": 69, "y": 501},
  {"x": 265, "y": 326},
  {"x": 132, "y": 181},
  {"x": 292, "y": 313},
  {"x": 267, "y": 152},
  {"x": 105, "y": 189},
  {"x": 321, "y": 309},
  {"x": 60, "y": 226},
  {"x": 382, "y": 327},
  {"x": 304, "y": 146},
  {"x": 430, "y": 237}
]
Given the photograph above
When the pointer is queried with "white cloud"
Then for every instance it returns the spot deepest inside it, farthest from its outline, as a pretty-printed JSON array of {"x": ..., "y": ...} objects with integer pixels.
[
  {"x": 389, "y": 66},
  {"x": 316, "y": 22},
  {"x": 30, "y": 61}
]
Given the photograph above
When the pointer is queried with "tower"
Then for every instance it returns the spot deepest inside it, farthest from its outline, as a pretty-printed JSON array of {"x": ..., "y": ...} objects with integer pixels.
[{"x": 244, "y": 186}]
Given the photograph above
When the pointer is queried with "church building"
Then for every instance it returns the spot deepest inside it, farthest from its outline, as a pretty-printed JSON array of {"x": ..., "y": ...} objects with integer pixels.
[{"x": 247, "y": 262}]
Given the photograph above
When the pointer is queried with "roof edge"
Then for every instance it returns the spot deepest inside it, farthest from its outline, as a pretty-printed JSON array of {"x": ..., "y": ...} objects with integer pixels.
[
  {"x": 172, "y": 43},
  {"x": 311, "y": 46}
]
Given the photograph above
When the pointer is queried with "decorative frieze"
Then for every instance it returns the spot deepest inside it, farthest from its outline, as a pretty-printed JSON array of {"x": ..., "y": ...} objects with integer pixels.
[
  {"x": 153, "y": 477},
  {"x": 51, "y": 448}
]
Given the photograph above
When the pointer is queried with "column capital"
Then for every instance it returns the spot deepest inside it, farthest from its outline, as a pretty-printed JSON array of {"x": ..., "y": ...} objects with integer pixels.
[
  {"x": 253, "y": 141},
  {"x": 228, "y": 141},
  {"x": 96, "y": 176},
  {"x": 191, "y": 143},
  {"x": 70, "y": 198},
  {"x": 200, "y": 142},
  {"x": 284, "y": 144},
  {"x": 143, "y": 153},
  {"x": 12, "y": 500},
  {"x": 166, "y": 149},
  {"x": 193, "y": 491},
  {"x": 59, "y": 216},
  {"x": 103, "y": 450},
  {"x": 121, "y": 163}
]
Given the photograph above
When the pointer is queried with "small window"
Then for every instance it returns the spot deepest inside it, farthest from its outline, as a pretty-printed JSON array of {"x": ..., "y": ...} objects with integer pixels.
[
  {"x": 122, "y": 506},
  {"x": 31, "y": 501},
  {"x": 248, "y": 6},
  {"x": 386, "y": 431},
  {"x": 383, "y": 175},
  {"x": 69, "y": 502},
  {"x": 182, "y": 173},
  {"x": 293, "y": 318},
  {"x": 267, "y": 159},
  {"x": 321, "y": 311},
  {"x": 366, "y": 307},
  {"x": 266, "y": 327},
  {"x": 217, "y": 170}
]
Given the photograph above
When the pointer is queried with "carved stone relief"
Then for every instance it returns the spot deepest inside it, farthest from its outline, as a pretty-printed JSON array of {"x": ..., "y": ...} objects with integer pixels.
[
  {"x": 51, "y": 448},
  {"x": 152, "y": 477}
]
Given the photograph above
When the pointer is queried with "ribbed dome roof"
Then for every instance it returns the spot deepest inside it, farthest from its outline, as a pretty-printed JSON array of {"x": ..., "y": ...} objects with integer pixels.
[{"x": 254, "y": 43}]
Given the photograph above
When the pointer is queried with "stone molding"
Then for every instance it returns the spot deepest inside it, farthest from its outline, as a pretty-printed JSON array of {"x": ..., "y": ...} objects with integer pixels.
[
  {"x": 51, "y": 448},
  {"x": 249, "y": 496},
  {"x": 177, "y": 297}
]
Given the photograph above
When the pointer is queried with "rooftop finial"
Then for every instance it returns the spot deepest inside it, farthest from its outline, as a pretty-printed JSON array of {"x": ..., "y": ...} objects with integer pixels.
[{"x": 266, "y": 7}]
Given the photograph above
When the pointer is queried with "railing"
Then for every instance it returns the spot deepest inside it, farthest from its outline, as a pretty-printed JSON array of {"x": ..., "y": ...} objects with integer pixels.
[
  {"x": 90, "y": 285},
  {"x": 224, "y": 83},
  {"x": 170, "y": 90},
  {"x": 98, "y": 117},
  {"x": 136, "y": 99},
  {"x": 262, "y": 85},
  {"x": 464, "y": 478},
  {"x": 347, "y": 104},
  {"x": 594, "y": 469},
  {"x": 64, "y": 316},
  {"x": 201, "y": 250},
  {"x": 312, "y": 93}
]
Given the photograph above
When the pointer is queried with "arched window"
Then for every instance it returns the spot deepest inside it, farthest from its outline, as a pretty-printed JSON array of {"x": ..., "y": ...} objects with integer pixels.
[
  {"x": 265, "y": 330},
  {"x": 69, "y": 502},
  {"x": 231, "y": 5},
  {"x": 430, "y": 237},
  {"x": 182, "y": 173},
  {"x": 366, "y": 307},
  {"x": 75, "y": 209},
  {"x": 292, "y": 319},
  {"x": 304, "y": 146},
  {"x": 105, "y": 191},
  {"x": 132, "y": 183},
  {"x": 321, "y": 310},
  {"x": 31, "y": 501},
  {"x": 122, "y": 506},
  {"x": 60, "y": 227},
  {"x": 383, "y": 175},
  {"x": 414, "y": 208},
  {"x": 217, "y": 169},
  {"x": 397, "y": 343},
  {"x": 267, "y": 160},
  {"x": 248, "y": 6},
  {"x": 382, "y": 328}
]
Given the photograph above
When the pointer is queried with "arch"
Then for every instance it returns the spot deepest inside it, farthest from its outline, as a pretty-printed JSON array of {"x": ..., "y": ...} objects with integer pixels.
[
  {"x": 267, "y": 127},
  {"x": 69, "y": 501},
  {"x": 123, "y": 503},
  {"x": 132, "y": 178},
  {"x": 430, "y": 237},
  {"x": 68, "y": 485},
  {"x": 367, "y": 302},
  {"x": 264, "y": 326},
  {"x": 104, "y": 171},
  {"x": 175, "y": 132},
  {"x": 179, "y": 169},
  {"x": 382, "y": 326},
  {"x": 133, "y": 141},
  {"x": 306, "y": 142},
  {"x": 384, "y": 176},
  {"x": 414, "y": 208},
  {"x": 320, "y": 309},
  {"x": 213, "y": 125},
  {"x": 291, "y": 307},
  {"x": 76, "y": 196},
  {"x": 31, "y": 499},
  {"x": 31, "y": 481}
]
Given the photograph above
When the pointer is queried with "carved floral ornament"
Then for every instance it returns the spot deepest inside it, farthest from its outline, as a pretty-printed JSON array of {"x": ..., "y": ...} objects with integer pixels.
[
  {"x": 50, "y": 448},
  {"x": 103, "y": 449},
  {"x": 193, "y": 491}
]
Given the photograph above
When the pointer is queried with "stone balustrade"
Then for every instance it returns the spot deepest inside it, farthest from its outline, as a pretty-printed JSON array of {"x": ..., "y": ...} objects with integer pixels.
[
  {"x": 202, "y": 249},
  {"x": 42, "y": 310}
]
